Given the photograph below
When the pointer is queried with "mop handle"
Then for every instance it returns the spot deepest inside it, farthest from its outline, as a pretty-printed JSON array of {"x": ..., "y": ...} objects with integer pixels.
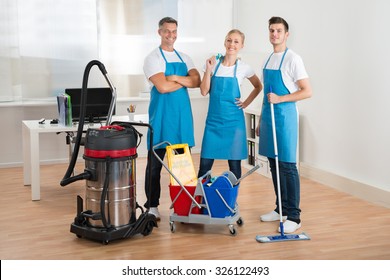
[
  {"x": 274, "y": 130},
  {"x": 277, "y": 166},
  {"x": 247, "y": 174}
]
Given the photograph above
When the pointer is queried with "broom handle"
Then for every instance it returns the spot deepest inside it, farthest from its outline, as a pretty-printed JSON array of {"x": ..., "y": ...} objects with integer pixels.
[{"x": 277, "y": 168}]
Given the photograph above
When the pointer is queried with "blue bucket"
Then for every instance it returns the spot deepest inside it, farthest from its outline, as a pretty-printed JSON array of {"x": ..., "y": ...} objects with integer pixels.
[{"x": 227, "y": 194}]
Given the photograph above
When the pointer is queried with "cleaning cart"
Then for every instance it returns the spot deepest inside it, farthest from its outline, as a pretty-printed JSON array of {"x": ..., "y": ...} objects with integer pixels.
[{"x": 204, "y": 200}]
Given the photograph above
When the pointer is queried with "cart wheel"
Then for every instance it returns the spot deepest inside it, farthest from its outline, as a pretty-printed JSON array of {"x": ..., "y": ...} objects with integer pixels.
[
  {"x": 232, "y": 230},
  {"x": 173, "y": 226},
  {"x": 240, "y": 221},
  {"x": 105, "y": 242}
]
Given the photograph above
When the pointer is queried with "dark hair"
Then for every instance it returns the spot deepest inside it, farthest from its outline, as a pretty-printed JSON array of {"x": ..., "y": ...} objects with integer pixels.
[
  {"x": 166, "y": 20},
  {"x": 275, "y": 20}
]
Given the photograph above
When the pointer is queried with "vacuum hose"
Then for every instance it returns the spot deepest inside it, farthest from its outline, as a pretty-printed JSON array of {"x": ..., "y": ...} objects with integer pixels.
[{"x": 86, "y": 174}]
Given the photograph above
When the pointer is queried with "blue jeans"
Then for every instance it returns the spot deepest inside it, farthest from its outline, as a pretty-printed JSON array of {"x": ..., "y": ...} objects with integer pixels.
[
  {"x": 152, "y": 184},
  {"x": 207, "y": 163},
  {"x": 289, "y": 188}
]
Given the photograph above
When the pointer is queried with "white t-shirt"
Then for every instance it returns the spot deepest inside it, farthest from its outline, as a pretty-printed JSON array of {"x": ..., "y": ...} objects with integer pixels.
[
  {"x": 292, "y": 69},
  {"x": 154, "y": 63},
  {"x": 243, "y": 71}
]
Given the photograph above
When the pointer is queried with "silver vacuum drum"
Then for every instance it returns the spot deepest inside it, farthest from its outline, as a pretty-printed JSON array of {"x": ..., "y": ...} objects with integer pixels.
[{"x": 110, "y": 153}]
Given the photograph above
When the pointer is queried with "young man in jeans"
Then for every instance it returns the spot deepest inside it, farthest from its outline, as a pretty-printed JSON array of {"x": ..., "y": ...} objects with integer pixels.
[{"x": 285, "y": 82}]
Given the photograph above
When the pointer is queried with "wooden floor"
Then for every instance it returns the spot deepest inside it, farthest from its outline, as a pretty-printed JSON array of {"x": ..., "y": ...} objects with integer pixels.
[{"x": 341, "y": 227}]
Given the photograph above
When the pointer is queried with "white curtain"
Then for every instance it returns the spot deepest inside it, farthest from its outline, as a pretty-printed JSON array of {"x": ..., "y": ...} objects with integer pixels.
[
  {"x": 45, "y": 44},
  {"x": 9, "y": 51}
]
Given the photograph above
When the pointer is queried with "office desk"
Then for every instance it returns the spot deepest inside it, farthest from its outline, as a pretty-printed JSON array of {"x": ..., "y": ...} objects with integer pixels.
[{"x": 31, "y": 130}]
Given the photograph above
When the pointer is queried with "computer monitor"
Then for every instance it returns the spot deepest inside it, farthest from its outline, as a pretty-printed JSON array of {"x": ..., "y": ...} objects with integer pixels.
[{"x": 97, "y": 105}]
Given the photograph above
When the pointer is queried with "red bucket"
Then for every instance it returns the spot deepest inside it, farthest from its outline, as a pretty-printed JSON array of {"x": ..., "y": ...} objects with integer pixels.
[{"x": 182, "y": 205}]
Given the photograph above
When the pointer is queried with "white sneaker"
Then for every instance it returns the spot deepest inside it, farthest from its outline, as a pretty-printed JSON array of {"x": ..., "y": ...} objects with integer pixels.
[
  {"x": 271, "y": 216},
  {"x": 290, "y": 226},
  {"x": 154, "y": 211}
]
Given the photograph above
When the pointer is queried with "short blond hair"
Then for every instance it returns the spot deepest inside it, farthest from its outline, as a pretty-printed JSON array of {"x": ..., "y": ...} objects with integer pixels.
[{"x": 237, "y": 32}]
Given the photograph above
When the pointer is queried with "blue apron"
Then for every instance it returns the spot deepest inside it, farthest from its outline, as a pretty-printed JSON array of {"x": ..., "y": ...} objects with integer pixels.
[
  {"x": 225, "y": 135},
  {"x": 170, "y": 114},
  {"x": 286, "y": 119}
]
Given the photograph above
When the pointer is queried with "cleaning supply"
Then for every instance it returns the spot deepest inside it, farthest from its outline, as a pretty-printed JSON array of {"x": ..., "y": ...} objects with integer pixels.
[
  {"x": 282, "y": 236},
  {"x": 110, "y": 154}
]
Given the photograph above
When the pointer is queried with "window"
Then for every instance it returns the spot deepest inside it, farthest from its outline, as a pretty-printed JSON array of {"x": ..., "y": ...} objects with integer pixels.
[{"x": 45, "y": 45}]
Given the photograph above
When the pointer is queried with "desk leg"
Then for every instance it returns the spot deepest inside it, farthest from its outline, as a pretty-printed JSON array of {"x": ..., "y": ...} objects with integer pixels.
[
  {"x": 26, "y": 156},
  {"x": 35, "y": 164}
]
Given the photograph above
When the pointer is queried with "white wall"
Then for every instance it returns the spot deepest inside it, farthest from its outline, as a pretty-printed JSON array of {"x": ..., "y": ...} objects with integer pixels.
[{"x": 344, "y": 44}]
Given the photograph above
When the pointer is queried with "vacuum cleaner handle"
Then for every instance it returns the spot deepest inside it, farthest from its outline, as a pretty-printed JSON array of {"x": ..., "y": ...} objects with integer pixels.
[
  {"x": 100, "y": 65},
  {"x": 67, "y": 179}
]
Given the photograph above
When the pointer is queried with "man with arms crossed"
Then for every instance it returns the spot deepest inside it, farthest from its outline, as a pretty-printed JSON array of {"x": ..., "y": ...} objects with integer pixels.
[{"x": 170, "y": 73}]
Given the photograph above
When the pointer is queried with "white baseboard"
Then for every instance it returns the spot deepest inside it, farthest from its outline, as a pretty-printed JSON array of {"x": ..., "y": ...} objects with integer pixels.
[
  {"x": 11, "y": 164},
  {"x": 43, "y": 162},
  {"x": 369, "y": 193}
]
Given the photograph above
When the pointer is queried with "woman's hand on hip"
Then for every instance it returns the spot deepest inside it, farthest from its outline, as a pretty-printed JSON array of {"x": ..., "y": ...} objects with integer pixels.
[{"x": 240, "y": 104}]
